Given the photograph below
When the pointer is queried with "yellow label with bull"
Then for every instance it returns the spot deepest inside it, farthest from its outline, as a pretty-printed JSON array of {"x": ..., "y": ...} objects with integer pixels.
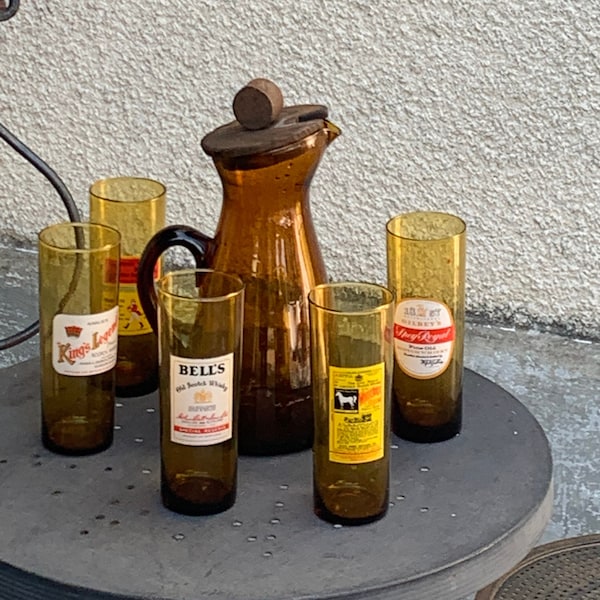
[{"x": 357, "y": 415}]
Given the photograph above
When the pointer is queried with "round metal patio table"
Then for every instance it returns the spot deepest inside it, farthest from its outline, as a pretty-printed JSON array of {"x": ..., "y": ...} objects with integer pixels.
[{"x": 462, "y": 513}]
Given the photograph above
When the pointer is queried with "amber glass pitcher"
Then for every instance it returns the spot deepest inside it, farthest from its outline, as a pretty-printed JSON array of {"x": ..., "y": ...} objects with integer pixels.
[{"x": 265, "y": 235}]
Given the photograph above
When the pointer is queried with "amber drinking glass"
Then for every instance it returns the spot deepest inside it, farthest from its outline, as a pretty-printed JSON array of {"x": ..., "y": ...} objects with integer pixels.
[
  {"x": 200, "y": 335},
  {"x": 426, "y": 271},
  {"x": 136, "y": 208},
  {"x": 351, "y": 358},
  {"x": 78, "y": 296}
]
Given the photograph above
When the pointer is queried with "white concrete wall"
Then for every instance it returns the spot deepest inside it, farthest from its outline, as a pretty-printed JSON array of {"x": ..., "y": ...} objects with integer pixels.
[{"x": 488, "y": 109}]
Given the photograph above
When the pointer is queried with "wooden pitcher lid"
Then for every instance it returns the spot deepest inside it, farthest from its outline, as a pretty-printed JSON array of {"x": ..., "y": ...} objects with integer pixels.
[{"x": 262, "y": 124}]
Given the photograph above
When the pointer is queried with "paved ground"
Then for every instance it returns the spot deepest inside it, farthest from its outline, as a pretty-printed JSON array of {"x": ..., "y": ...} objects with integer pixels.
[{"x": 557, "y": 378}]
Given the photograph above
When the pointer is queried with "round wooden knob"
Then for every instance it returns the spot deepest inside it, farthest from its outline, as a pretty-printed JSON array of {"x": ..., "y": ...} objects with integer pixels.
[{"x": 258, "y": 104}]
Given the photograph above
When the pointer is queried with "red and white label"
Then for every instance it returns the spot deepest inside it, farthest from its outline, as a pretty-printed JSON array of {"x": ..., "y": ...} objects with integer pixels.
[
  {"x": 84, "y": 345},
  {"x": 424, "y": 335},
  {"x": 201, "y": 400}
]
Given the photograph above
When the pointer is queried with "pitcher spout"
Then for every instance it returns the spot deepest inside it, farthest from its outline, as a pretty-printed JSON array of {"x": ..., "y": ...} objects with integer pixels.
[{"x": 333, "y": 131}]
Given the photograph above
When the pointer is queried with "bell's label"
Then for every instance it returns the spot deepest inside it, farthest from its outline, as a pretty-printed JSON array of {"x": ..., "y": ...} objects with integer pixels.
[
  {"x": 84, "y": 345},
  {"x": 356, "y": 414},
  {"x": 424, "y": 334},
  {"x": 132, "y": 320},
  {"x": 201, "y": 400}
]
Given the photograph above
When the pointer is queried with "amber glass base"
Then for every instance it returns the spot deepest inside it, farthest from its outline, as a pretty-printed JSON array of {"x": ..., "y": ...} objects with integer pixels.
[
  {"x": 140, "y": 389},
  {"x": 137, "y": 365},
  {"x": 274, "y": 423},
  {"x": 426, "y": 434},
  {"x": 74, "y": 441},
  {"x": 198, "y": 496},
  {"x": 260, "y": 447},
  {"x": 321, "y": 510}
]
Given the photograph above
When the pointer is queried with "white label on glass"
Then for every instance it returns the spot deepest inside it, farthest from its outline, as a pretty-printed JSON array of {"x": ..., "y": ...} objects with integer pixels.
[
  {"x": 424, "y": 336},
  {"x": 84, "y": 345},
  {"x": 201, "y": 400}
]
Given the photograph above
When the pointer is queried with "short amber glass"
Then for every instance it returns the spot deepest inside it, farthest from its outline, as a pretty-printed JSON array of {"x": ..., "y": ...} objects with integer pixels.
[
  {"x": 78, "y": 296},
  {"x": 351, "y": 361},
  {"x": 426, "y": 254},
  {"x": 135, "y": 206},
  {"x": 200, "y": 335}
]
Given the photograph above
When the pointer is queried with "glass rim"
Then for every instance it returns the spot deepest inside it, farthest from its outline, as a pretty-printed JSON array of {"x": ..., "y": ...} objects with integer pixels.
[
  {"x": 356, "y": 285},
  {"x": 461, "y": 229},
  {"x": 234, "y": 279},
  {"x": 83, "y": 225},
  {"x": 161, "y": 189}
]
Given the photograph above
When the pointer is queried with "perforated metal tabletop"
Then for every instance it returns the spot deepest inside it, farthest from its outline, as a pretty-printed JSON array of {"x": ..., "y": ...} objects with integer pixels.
[
  {"x": 563, "y": 570},
  {"x": 462, "y": 513}
]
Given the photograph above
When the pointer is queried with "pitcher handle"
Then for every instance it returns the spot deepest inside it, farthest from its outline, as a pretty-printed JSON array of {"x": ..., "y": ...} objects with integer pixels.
[{"x": 200, "y": 245}]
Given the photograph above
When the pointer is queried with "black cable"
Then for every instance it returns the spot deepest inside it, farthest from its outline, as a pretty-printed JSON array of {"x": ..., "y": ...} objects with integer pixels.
[
  {"x": 13, "y": 340},
  {"x": 10, "y": 10},
  {"x": 44, "y": 169},
  {"x": 67, "y": 199}
]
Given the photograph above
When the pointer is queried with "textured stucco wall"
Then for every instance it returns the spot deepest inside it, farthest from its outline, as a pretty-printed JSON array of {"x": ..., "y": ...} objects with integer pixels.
[{"x": 486, "y": 109}]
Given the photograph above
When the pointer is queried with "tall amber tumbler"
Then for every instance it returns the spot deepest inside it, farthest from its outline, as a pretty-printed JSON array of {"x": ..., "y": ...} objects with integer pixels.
[
  {"x": 78, "y": 294},
  {"x": 135, "y": 206},
  {"x": 200, "y": 329},
  {"x": 426, "y": 271},
  {"x": 351, "y": 362}
]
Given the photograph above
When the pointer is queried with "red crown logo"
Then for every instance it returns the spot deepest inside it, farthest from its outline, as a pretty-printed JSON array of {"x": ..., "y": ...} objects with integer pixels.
[{"x": 73, "y": 331}]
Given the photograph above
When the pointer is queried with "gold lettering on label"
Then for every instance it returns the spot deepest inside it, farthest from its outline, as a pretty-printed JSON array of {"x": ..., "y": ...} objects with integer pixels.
[{"x": 62, "y": 353}]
